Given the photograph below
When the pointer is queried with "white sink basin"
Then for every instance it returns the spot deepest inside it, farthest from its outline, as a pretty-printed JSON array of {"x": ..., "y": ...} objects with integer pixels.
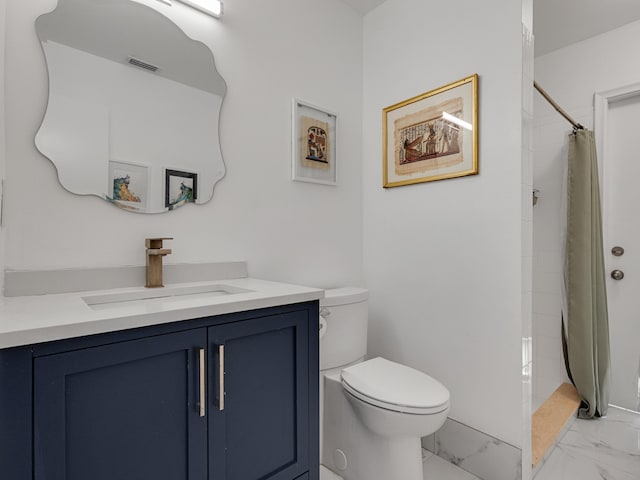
[{"x": 164, "y": 295}]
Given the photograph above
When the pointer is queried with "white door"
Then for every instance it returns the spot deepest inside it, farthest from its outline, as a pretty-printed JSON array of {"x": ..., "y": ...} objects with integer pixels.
[{"x": 621, "y": 218}]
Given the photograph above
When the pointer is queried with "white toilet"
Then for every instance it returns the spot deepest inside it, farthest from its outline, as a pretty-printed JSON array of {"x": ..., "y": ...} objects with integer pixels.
[{"x": 374, "y": 412}]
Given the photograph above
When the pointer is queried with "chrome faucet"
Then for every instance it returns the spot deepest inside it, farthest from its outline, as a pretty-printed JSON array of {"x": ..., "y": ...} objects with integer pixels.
[{"x": 155, "y": 252}]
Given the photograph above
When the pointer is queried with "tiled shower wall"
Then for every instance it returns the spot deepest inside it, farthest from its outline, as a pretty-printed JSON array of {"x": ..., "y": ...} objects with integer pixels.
[
  {"x": 550, "y": 141},
  {"x": 527, "y": 231}
]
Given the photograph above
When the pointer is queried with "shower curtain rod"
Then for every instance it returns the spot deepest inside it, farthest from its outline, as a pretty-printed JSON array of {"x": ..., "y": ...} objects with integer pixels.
[{"x": 576, "y": 125}]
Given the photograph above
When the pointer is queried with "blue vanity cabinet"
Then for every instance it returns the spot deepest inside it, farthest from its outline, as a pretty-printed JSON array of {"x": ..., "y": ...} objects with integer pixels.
[
  {"x": 127, "y": 405},
  {"x": 126, "y": 410},
  {"x": 260, "y": 398}
]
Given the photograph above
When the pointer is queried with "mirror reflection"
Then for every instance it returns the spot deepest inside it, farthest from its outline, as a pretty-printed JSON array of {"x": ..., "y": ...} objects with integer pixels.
[{"x": 133, "y": 106}]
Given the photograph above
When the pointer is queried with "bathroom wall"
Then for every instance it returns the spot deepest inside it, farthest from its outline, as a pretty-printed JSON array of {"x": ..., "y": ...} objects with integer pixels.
[
  {"x": 444, "y": 260},
  {"x": 528, "y": 45},
  {"x": 289, "y": 231},
  {"x": 2, "y": 138},
  {"x": 571, "y": 76}
]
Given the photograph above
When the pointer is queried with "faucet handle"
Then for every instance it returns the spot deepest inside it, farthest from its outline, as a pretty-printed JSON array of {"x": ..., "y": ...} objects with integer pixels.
[
  {"x": 161, "y": 252},
  {"x": 155, "y": 242}
]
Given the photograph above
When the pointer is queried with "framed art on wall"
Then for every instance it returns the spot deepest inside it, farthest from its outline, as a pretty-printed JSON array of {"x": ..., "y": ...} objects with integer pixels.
[
  {"x": 432, "y": 136},
  {"x": 314, "y": 144},
  {"x": 128, "y": 185},
  {"x": 180, "y": 188}
]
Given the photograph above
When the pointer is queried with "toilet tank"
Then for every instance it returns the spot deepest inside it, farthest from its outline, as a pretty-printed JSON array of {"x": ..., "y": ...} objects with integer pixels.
[{"x": 343, "y": 324}]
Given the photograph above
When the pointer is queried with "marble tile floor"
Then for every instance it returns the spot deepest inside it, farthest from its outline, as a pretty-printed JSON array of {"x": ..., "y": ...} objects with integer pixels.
[
  {"x": 436, "y": 468},
  {"x": 602, "y": 449}
]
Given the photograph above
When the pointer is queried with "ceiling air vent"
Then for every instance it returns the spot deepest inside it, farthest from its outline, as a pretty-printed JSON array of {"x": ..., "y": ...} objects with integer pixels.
[{"x": 140, "y": 64}]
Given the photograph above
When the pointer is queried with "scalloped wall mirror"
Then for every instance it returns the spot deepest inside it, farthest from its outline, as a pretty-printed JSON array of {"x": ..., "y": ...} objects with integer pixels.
[{"x": 134, "y": 106}]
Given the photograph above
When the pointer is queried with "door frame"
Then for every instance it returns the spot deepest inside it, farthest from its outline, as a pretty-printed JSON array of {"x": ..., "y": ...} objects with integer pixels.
[{"x": 601, "y": 102}]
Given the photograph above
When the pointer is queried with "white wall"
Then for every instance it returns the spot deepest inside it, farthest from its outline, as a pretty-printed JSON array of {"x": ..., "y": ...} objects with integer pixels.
[
  {"x": 526, "y": 319},
  {"x": 571, "y": 76},
  {"x": 2, "y": 135},
  {"x": 443, "y": 260},
  {"x": 289, "y": 231}
]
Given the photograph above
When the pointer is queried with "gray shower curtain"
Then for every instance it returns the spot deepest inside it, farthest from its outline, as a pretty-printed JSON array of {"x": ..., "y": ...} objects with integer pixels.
[{"x": 586, "y": 324}]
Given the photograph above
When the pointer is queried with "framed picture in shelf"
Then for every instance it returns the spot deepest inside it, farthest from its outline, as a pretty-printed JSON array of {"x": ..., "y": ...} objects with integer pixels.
[
  {"x": 180, "y": 188},
  {"x": 314, "y": 144},
  {"x": 432, "y": 136},
  {"x": 128, "y": 185}
]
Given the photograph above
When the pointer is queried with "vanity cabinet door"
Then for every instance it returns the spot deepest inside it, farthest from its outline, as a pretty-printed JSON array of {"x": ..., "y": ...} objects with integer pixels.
[
  {"x": 126, "y": 411},
  {"x": 261, "y": 428}
]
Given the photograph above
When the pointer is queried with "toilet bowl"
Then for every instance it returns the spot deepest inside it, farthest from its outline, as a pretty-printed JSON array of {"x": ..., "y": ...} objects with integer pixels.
[
  {"x": 395, "y": 400},
  {"x": 373, "y": 412}
]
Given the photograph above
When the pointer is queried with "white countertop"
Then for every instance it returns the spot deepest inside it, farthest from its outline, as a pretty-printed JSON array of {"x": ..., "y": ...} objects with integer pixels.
[{"x": 33, "y": 319}]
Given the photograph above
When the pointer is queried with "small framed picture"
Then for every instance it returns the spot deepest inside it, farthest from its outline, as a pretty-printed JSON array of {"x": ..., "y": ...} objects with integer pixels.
[
  {"x": 432, "y": 136},
  {"x": 180, "y": 188},
  {"x": 128, "y": 185},
  {"x": 314, "y": 144}
]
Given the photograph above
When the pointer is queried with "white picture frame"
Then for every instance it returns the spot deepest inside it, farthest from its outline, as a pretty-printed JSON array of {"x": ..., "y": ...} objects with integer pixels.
[
  {"x": 137, "y": 185},
  {"x": 314, "y": 144}
]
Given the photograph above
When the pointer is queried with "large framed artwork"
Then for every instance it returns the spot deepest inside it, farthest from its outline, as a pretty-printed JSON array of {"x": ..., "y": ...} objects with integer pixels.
[
  {"x": 432, "y": 136},
  {"x": 128, "y": 185},
  {"x": 314, "y": 144}
]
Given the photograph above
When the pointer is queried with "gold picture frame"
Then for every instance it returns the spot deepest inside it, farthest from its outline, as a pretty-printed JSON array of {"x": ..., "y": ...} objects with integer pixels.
[{"x": 432, "y": 136}]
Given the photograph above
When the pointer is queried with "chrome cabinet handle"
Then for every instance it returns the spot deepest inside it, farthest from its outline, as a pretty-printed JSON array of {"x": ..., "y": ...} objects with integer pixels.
[
  {"x": 221, "y": 377},
  {"x": 202, "y": 399}
]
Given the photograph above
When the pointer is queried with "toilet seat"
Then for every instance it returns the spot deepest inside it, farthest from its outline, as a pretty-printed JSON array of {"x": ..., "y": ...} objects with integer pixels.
[{"x": 395, "y": 387}]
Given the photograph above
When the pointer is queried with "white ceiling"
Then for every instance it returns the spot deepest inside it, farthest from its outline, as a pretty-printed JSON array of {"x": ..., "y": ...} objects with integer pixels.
[
  {"x": 558, "y": 23},
  {"x": 364, "y": 6}
]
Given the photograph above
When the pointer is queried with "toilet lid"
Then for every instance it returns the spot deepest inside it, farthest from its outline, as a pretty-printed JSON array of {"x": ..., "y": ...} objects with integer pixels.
[{"x": 396, "y": 387}]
